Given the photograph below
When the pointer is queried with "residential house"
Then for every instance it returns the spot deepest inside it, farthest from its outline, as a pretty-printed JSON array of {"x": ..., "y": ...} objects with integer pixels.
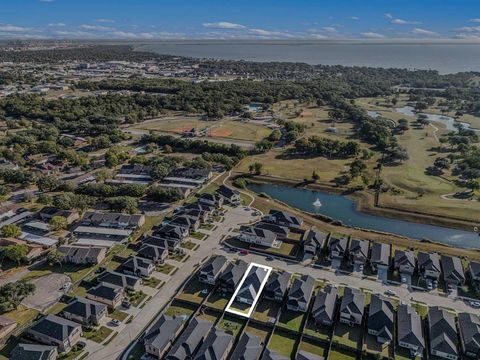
[
  {"x": 453, "y": 274},
  {"x": 6, "y": 327},
  {"x": 250, "y": 287},
  {"x": 101, "y": 233},
  {"x": 113, "y": 278},
  {"x": 85, "y": 312},
  {"x": 277, "y": 285},
  {"x": 443, "y": 333},
  {"x": 54, "y": 330},
  {"x": 211, "y": 200},
  {"x": 358, "y": 252},
  {"x": 404, "y": 262},
  {"x": 300, "y": 293},
  {"x": 409, "y": 330},
  {"x": 230, "y": 196},
  {"x": 352, "y": 307},
  {"x": 429, "y": 265},
  {"x": 82, "y": 254},
  {"x": 113, "y": 220},
  {"x": 380, "y": 256},
  {"x": 161, "y": 336},
  {"x": 284, "y": 218},
  {"x": 112, "y": 296},
  {"x": 133, "y": 174},
  {"x": 211, "y": 270},
  {"x": 272, "y": 355},
  {"x": 171, "y": 232},
  {"x": 337, "y": 248},
  {"x": 474, "y": 271},
  {"x": 216, "y": 346},
  {"x": 281, "y": 231},
  {"x": 33, "y": 250},
  {"x": 34, "y": 352},
  {"x": 313, "y": 241},
  {"x": 231, "y": 276},
  {"x": 258, "y": 236},
  {"x": 249, "y": 347},
  {"x": 469, "y": 329},
  {"x": 324, "y": 306},
  {"x": 188, "y": 176},
  {"x": 380, "y": 319},
  {"x": 138, "y": 266},
  {"x": 48, "y": 212},
  {"x": 156, "y": 254},
  {"x": 187, "y": 222},
  {"x": 190, "y": 340},
  {"x": 172, "y": 245}
]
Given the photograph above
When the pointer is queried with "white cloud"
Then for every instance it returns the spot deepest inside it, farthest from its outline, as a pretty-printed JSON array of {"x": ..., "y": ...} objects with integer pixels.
[
  {"x": 475, "y": 20},
  {"x": 145, "y": 35},
  {"x": 403, "y": 22},
  {"x": 102, "y": 20},
  {"x": 59, "y": 24},
  {"x": 388, "y": 15},
  {"x": 318, "y": 36},
  {"x": 372, "y": 35},
  {"x": 74, "y": 34},
  {"x": 467, "y": 36},
  {"x": 469, "y": 29},
  {"x": 354, "y": 18},
  {"x": 423, "y": 32},
  {"x": 270, "y": 34},
  {"x": 224, "y": 25},
  {"x": 46, "y": 1},
  {"x": 96, "y": 27},
  {"x": 13, "y": 28},
  {"x": 329, "y": 29}
]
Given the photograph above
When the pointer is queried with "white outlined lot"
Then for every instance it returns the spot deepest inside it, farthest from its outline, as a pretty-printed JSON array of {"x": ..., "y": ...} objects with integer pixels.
[{"x": 247, "y": 312}]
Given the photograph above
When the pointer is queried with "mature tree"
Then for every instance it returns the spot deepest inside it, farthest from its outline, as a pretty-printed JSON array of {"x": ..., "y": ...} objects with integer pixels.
[
  {"x": 11, "y": 231},
  {"x": 15, "y": 253},
  {"x": 255, "y": 168},
  {"x": 12, "y": 294},
  {"x": 125, "y": 204},
  {"x": 58, "y": 223},
  {"x": 357, "y": 167},
  {"x": 315, "y": 176}
]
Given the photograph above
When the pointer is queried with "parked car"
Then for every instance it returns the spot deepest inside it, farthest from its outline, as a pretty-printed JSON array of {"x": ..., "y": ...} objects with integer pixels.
[
  {"x": 115, "y": 322},
  {"x": 475, "y": 304},
  {"x": 390, "y": 292}
]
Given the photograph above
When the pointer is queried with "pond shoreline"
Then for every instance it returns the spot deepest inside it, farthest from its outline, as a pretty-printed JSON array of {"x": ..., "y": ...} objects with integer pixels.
[{"x": 365, "y": 200}]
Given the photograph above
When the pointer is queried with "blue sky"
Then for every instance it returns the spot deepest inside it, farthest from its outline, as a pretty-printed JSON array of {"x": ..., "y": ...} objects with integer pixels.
[{"x": 240, "y": 19}]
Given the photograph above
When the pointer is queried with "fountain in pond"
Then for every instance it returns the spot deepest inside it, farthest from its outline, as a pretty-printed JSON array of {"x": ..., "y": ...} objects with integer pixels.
[{"x": 317, "y": 203}]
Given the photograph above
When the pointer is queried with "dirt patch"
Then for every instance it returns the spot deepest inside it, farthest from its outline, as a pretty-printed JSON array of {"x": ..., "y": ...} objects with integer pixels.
[
  {"x": 220, "y": 132},
  {"x": 48, "y": 290}
]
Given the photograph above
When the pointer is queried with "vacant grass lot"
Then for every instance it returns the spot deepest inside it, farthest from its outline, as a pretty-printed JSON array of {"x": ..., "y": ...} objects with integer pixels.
[
  {"x": 228, "y": 128},
  {"x": 282, "y": 343},
  {"x": 195, "y": 291}
]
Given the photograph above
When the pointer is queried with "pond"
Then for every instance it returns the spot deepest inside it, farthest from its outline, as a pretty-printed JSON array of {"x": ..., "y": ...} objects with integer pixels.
[
  {"x": 448, "y": 121},
  {"x": 342, "y": 208}
]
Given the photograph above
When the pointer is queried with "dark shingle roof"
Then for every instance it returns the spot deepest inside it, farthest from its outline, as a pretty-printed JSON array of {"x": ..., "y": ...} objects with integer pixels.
[
  {"x": 215, "y": 346},
  {"x": 252, "y": 282},
  {"x": 409, "y": 326},
  {"x": 105, "y": 292},
  {"x": 406, "y": 258},
  {"x": 55, "y": 327},
  {"x": 469, "y": 325},
  {"x": 353, "y": 302},
  {"x": 442, "y": 330},
  {"x": 249, "y": 347},
  {"x": 234, "y": 273},
  {"x": 272, "y": 355},
  {"x": 474, "y": 269},
  {"x": 452, "y": 268},
  {"x": 428, "y": 261},
  {"x": 278, "y": 282},
  {"x": 380, "y": 253},
  {"x": 162, "y": 332},
  {"x": 32, "y": 352},
  {"x": 118, "y": 279},
  {"x": 380, "y": 316},
  {"x": 84, "y": 308},
  {"x": 187, "y": 344},
  {"x": 149, "y": 251},
  {"x": 324, "y": 304},
  {"x": 301, "y": 289},
  {"x": 214, "y": 265},
  {"x": 359, "y": 248}
]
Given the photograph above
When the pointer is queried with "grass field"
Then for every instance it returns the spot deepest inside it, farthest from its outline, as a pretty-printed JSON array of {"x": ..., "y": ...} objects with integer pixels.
[
  {"x": 312, "y": 347},
  {"x": 165, "y": 268},
  {"x": 337, "y": 354},
  {"x": 195, "y": 291},
  {"x": 266, "y": 310},
  {"x": 98, "y": 335},
  {"x": 228, "y": 128},
  {"x": 347, "y": 336},
  {"x": 231, "y": 324},
  {"x": 323, "y": 333},
  {"x": 177, "y": 309},
  {"x": 282, "y": 343},
  {"x": 217, "y": 301},
  {"x": 291, "y": 320}
]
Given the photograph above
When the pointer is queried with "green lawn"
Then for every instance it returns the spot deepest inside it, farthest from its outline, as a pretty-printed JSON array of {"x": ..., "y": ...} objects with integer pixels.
[
  {"x": 348, "y": 336},
  {"x": 136, "y": 297},
  {"x": 177, "y": 257},
  {"x": 420, "y": 308},
  {"x": 258, "y": 330},
  {"x": 312, "y": 347},
  {"x": 165, "y": 268},
  {"x": 117, "y": 314},
  {"x": 22, "y": 315},
  {"x": 179, "y": 310},
  {"x": 291, "y": 320},
  {"x": 151, "y": 282},
  {"x": 282, "y": 343},
  {"x": 195, "y": 291},
  {"x": 231, "y": 324},
  {"x": 266, "y": 310},
  {"x": 337, "y": 354},
  {"x": 98, "y": 335},
  {"x": 75, "y": 272},
  {"x": 198, "y": 235},
  {"x": 188, "y": 245},
  {"x": 217, "y": 301},
  {"x": 207, "y": 226},
  {"x": 57, "y": 308},
  {"x": 323, "y": 333}
]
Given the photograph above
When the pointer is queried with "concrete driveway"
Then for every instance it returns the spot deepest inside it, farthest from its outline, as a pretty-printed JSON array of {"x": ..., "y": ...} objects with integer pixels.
[{"x": 48, "y": 290}]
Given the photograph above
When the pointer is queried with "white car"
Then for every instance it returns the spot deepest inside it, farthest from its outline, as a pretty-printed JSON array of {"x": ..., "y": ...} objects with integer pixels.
[
  {"x": 475, "y": 304},
  {"x": 389, "y": 292}
]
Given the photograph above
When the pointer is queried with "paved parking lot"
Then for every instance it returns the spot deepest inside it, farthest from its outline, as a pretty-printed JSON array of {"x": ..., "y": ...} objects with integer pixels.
[{"x": 48, "y": 290}]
